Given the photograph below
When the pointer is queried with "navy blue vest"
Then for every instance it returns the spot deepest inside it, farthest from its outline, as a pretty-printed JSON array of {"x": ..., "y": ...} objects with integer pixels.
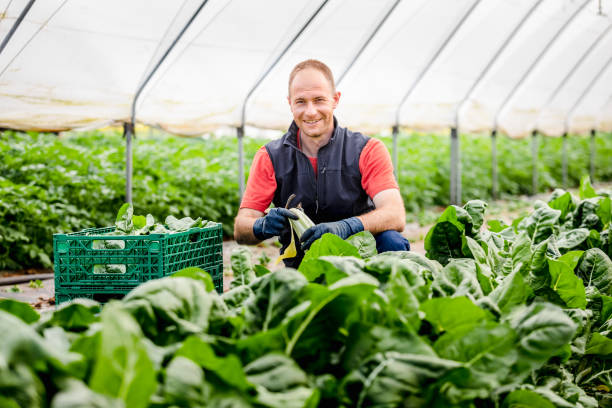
[{"x": 334, "y": 194}]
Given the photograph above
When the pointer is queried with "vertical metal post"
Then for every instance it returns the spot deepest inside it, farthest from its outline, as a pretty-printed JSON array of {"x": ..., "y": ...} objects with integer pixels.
[
  {"x": 240, "y": 130},
  {"x": 454, "y": 164},
  {"x": 592, "y": 156},
  {"x": 494, "y": 164},
  {"x": 128, "y": 131},
  {"x": 564, "y": 160},
  {"x": 395, "y": 154},
  {"x": 16, "y": 25},
  {"x": 534, "y": 162}
]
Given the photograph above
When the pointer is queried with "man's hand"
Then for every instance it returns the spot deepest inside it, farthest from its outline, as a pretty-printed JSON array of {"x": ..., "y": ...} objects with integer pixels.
[
  {"x": 343, "y": 229},
  {"x": 273, "y": 223}
]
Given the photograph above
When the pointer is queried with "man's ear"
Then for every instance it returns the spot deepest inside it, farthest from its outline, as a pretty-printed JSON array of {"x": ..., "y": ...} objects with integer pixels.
[{"x": 336, "y": 99}]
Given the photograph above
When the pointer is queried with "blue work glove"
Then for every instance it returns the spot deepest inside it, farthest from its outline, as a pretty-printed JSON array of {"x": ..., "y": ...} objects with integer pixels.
[
  {"x": 343, "y": 229},
  {"x": 273, "y": 223}
]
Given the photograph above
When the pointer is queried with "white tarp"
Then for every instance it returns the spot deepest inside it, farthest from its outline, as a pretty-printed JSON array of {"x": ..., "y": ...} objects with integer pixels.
[{"x": 432, "y": 64}]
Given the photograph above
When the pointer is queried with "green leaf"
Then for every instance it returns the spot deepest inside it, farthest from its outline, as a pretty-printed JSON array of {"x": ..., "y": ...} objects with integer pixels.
[
  {"x": 542, "y": 329},
  {"x": 526, "y": 399},
  {"x": 183, "y": 224},
  {"x": 124, "y": 218},
  {"x": 572, "y": 239},
  {"x": 122, "y": 368},
  {"x": 497, "y": 225},
  {"x": 443, "y": 240},
  {"x": 280, "y": 382},
  {"x": 184, "y": 383},
  {"x": 333, "y": 268},
  {"x": 242, "y": 266},
  {"x": 458, "y": 278},
  {"x": 274, "y": 295},
  {"x": 586, "y": 189},
  {"x": 375, "y": 383},
  {"x": 563, "y": 203},
  {"x": 365, "y": 243},
  {"x": 313, "y": 328},
  {"x": 513, "y": 291},
  {"x": 171, "y": 308},
  {"x": 599, "y": 345},
  {"x": 449, "y": 314},
  {"x": 76, "y": 315},
  {"x": 197, "y": 274},
  {"x": 595, "y": 269},
  {"x": 487, "y": 349},
  {"x": 22, "y": 310},
  {"x": 604, "y": 211},
  {"x": 567, "y": 285},
  {"x": 540, "y": 223},
  {"x": 476, "y": 209},
  {"x": 330, "y": 244},
  {"x": 139, "y": 221},
  {"x": 228, "y": 369},
  {"x": 75, "y": 394}
]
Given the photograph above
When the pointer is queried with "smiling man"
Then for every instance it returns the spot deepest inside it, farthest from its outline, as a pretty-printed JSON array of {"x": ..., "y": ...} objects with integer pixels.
[{"x": 343, "y": 179}]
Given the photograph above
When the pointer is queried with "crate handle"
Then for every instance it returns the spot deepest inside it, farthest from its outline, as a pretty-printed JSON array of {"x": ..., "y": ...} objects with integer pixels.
[{"x": 109, "y": 269}]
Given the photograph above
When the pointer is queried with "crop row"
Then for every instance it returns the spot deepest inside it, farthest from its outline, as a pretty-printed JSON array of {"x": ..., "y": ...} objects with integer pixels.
[{"x": 51, "y": 184}]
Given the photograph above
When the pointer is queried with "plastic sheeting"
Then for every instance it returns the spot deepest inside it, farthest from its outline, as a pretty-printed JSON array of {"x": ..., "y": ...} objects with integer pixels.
[{"x": 432, "y": 64}]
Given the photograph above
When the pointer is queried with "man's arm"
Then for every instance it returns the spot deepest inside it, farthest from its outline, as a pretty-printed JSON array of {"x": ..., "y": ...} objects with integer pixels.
[
  {"x": 243, "y": 226},
  {"x": 389, "y": 213}
]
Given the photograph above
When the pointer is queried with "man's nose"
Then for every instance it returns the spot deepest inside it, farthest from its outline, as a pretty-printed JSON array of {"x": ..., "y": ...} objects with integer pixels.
[{"x": 310, "y": 109}]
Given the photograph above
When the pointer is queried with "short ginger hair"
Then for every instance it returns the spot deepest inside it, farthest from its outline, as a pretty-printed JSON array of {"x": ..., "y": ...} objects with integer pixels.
[{"x": 313, "y": 64}]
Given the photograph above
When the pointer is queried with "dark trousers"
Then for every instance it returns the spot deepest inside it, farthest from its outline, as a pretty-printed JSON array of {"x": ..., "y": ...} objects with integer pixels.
[{"x": 391, "y": 241}]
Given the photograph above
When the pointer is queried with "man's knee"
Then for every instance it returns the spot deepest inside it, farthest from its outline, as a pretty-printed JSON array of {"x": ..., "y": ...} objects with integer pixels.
[{"x": 391, "y": 241}]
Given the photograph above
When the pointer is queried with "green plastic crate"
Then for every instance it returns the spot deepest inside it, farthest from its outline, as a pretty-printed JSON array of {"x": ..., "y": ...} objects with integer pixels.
[
  {"x": 83, "y": 267},
  {"x": 119, "y": 291}
]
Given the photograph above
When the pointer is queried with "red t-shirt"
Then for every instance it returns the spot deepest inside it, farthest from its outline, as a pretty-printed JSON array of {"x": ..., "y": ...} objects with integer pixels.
[{"x": 374, "y": 164}]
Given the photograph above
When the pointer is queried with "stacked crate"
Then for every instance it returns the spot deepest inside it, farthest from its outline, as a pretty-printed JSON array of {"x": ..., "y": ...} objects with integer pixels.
[{"x": 82, "y": 270}]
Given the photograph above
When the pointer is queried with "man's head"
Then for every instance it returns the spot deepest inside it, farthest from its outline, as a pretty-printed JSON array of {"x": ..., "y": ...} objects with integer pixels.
[{"x": 313, "y": 98}]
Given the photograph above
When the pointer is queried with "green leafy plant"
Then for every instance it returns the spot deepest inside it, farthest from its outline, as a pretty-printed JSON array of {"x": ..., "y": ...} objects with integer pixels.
[{"x": 36, "y": 284}]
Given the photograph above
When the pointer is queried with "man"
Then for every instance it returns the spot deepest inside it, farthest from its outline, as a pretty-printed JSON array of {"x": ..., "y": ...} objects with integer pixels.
[{"x": 344, "y": 180}]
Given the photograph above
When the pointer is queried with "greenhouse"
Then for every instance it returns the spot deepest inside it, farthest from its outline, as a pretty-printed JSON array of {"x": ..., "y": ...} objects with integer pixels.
[{"x": 131, "y": 143}]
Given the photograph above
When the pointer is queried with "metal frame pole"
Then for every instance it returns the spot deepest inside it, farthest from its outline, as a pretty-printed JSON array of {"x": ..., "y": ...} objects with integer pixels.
[
  {"x": 257, "y": 83},
  {"x": 128, "y": 131},
  {"x": 534, "y": 162},
  {"x": 240, "y": 135},
  {"x": 280, "y": 56},
  {"x": 478, "y": 80},
  {"x": 564, "y": 161},
  {"x": 592, "y": 155},
  {"x": 130, "y": 125},
  {"x": 579, "y": 62},
  {"x": 536, "y": 61},
  {"x": 494, "y": 187},
  {"x": 454, "y": 167},
  {"x": 367, "y": 42},
  {"x": 586, "y": 91},
  {"x": 395, "y": 153},
  {"x": 432, "y": 60},
  {"x": 16, "y": 25}
]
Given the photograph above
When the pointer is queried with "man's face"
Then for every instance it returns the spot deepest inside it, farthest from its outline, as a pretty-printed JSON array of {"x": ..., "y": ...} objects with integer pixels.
[{"x": 312, "y": 103}]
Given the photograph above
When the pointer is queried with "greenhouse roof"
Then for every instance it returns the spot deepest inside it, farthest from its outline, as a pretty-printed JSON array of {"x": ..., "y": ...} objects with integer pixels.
[{"x": 194, "y": 66}]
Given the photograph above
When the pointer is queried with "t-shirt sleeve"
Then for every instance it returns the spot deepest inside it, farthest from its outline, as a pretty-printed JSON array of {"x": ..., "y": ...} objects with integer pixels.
[
  {"x": 376, "y": 168},
  {"x": 261, "y": 184}
]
